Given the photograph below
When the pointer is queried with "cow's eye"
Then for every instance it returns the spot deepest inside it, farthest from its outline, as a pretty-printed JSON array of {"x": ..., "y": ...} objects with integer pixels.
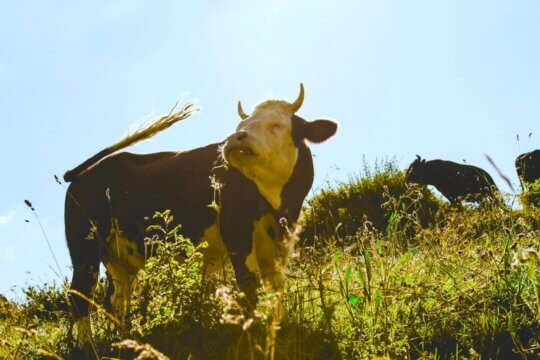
[{"x": 276, "y": 126}]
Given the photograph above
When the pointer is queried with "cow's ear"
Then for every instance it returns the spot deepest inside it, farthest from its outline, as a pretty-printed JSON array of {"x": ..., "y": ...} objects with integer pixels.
[{"x": 319, "y": 130}]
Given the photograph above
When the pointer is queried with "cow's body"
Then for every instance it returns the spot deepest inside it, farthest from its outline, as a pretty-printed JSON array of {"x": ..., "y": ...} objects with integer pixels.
[
  {"x": 109, "y": 203},
  {"x": 528, "y": 166},
  {"x": 455, "y": 181},
  {"x": 528, "y": 170}
]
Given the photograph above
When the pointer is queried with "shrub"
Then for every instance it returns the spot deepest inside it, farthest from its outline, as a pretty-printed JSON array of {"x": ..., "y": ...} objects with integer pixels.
[
  {"x": 46, "y": 302},
  {"x": 378, "y": 198},
  {"x": 530, "y": 196}
]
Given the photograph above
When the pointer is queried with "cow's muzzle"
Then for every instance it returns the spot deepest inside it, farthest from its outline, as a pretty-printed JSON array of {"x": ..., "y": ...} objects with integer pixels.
[{"x": 238, "y": 148}]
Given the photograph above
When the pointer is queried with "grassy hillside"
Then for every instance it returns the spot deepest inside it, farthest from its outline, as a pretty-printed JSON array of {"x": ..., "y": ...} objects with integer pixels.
[
  {"x": 376, "y": 198},
  {"x": 395, "y": 273}
]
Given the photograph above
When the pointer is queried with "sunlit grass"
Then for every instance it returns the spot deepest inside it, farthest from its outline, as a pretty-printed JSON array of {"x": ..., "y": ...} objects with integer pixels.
[{"x": 411, "y": 279}]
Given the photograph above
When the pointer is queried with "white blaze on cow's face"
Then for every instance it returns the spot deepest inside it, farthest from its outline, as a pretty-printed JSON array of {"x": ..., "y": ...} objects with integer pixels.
[{"x": 263, "y": 148}]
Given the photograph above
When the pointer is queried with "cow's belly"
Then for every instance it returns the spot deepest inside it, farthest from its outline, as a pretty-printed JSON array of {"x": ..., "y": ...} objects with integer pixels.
[
  {"x": 216, "y": 256},
  {"x": 121, "y": 252},
  {"x": 266, "y": 256},
  {"x": 122, "y": 260},
  {"x": 265, "y": 250}
]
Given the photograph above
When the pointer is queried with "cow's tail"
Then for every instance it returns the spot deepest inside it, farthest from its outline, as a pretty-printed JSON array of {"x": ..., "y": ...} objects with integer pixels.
[{"x": 143, "y": 133}]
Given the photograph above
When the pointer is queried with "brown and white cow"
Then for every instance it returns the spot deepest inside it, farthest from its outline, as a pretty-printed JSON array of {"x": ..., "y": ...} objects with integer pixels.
[{"x": 265, "y": 168}]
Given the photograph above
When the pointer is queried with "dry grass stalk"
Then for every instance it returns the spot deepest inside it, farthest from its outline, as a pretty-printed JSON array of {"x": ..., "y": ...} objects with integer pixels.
[{"x": 145, "y": 351}]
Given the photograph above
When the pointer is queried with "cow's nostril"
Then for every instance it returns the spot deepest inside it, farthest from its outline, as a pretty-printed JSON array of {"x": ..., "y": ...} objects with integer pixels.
[{"x": 241, "y": 135}]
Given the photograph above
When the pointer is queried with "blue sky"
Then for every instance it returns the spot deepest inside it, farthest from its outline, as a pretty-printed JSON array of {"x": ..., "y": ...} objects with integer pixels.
[{"x": 443, "y": 79}]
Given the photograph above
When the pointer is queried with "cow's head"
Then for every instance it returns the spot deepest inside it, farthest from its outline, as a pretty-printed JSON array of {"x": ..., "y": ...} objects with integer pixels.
[
  {"x": 265, "y": 145},
  {"x": 416, "y": 171}
]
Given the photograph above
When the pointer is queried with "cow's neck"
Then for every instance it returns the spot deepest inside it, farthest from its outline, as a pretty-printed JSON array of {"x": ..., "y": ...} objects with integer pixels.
[
  {"x": 272, "y": 195},
  {"x": 271, "y": 188},
  {"x": 297, "y": 188},
  {"x": 272, "y": 176},
  {"x": 271, "y": 191}
]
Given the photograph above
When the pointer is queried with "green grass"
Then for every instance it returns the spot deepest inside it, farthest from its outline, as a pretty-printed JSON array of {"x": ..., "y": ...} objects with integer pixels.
[{"x": 394, "y": 273}]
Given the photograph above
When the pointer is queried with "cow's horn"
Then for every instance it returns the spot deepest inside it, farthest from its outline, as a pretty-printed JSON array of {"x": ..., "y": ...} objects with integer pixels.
[
  {"x": 298, "y": 102},
  {"x": 241, "y": 112}
]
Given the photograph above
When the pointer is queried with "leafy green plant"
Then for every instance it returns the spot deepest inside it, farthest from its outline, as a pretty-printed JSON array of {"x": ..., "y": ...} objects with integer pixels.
[
  {"x": 46, "y": 302},
  {"x": 171, "y": 294},
  {"x": 530, "y": 196}
]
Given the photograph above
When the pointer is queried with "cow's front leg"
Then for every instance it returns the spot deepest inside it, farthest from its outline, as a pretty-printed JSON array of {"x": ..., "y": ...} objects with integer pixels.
[
  {"x": 272, "y": 250},
  {"x": 247, "y": 280},
  {"x": 236, "y": 230}
]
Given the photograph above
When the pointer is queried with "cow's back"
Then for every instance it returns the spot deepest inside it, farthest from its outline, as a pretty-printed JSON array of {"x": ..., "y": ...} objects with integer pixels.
[{"x": 455, "y": 180}]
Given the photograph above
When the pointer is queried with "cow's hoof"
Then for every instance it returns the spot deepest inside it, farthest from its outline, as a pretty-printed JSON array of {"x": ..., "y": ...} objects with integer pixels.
[
  {"x": 84, "y": 352},
  {"x": 249, "y": 300}
]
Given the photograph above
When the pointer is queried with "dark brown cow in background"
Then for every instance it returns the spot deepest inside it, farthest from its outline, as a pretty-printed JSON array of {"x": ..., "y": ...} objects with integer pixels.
[
  {"x": 528, "y": 170},
  {"x": 265, "y": 168},
  {"x": 455, "y": 181}
]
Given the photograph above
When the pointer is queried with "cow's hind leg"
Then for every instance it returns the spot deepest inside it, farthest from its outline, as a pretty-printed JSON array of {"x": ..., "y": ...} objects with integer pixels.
[
  {"x": 84, "y": 250},
  {"x": 109, "y": 293},
  {"x": 84, "y": 257},
  {"x": 82, "y": 285}
]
